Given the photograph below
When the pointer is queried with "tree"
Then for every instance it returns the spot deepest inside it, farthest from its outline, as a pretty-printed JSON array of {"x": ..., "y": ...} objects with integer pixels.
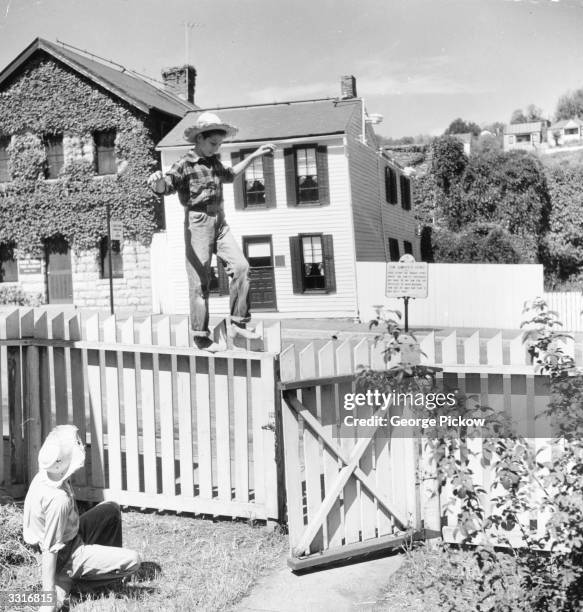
[
  {"x": 518, "y": 117},
  {"x": 459, "y": 126},
  {"x": 531, "y": 113},
  {"x": 448, "y": 161},
  {"x": 570, "y": 105}
]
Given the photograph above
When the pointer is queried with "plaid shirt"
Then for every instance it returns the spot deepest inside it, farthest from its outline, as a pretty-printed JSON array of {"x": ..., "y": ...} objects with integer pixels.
[{"x": 198, "y": 180}]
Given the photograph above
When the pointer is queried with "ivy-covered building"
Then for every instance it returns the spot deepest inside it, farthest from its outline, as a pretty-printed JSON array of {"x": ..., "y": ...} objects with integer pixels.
[{"x": 68, "y": 125}]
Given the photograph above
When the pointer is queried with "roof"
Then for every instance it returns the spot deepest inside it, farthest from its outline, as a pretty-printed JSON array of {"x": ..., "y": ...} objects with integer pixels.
[
  {"x": 524, "y": 128},
  {"x": 567, "y": 123},
  {"x": 132, "y": 89},
  {"x": 276, "y": 121}
]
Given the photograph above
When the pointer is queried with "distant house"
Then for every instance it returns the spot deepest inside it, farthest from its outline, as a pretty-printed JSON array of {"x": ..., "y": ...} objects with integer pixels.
[
  {"x": 310, "y": 219},
  {"x": 61, "y": 109},
  {"x": 466, "y": 140},
  {"x": 565, "y": 132},
  {"x": 526, "y": 136}
]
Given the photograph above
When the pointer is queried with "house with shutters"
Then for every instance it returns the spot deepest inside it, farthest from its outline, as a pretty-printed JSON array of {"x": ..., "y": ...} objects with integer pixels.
[
  {"x": 528, "y": 136},
  {"x": 68, "y": 121},
  {"x": 311, "y": 219}
]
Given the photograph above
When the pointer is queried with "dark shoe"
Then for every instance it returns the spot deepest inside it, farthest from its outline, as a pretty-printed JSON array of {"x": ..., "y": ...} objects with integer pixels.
[{"x": 204, "y": 343}]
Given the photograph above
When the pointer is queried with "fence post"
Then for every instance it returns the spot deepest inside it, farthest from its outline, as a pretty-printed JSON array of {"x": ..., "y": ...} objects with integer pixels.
[{"x": 32, "y": 420}]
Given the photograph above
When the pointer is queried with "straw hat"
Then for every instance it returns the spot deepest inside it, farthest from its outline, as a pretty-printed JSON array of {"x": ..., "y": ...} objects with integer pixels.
[
  {"x": 61, "y": 453},
  {"x": 205, "y": 122}
]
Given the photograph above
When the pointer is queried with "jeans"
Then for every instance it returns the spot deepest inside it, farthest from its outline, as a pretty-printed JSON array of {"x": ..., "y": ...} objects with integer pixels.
[
  {"x": 95, "y": 557},
  {"x": 206, "y": 233}
]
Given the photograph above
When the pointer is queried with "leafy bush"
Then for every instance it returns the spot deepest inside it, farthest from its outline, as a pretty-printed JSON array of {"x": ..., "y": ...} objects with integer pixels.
[
  {"x": 14, "y": 295},
  {"x": 550, "y": 566},
  {"x": 480, "y": 243}
]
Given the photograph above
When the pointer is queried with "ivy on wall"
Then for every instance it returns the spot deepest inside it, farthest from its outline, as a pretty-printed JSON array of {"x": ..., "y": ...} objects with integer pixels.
[{"x": 48, "y": 99}]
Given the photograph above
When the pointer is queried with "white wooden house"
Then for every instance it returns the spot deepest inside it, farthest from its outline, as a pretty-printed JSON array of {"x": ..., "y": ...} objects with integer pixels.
[
  {"x": 565, "y": 132},
  {"x": 309, "y": 219}
]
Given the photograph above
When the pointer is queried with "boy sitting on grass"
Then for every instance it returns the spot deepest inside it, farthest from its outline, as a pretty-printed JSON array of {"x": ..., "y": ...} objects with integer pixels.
[{"x": 82, "y": 551}]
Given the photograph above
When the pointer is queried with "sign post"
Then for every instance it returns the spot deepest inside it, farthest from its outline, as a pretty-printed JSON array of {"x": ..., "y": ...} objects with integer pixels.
[{"x": 406, "y": 279}]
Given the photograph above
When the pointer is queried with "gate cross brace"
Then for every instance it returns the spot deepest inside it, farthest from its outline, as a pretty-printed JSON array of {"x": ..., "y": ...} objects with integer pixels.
[{"x": 350, "y": 467}]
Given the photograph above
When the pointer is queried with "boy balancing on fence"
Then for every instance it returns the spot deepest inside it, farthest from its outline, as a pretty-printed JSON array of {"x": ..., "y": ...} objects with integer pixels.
[
  {"x": 198, "y": 177},
  {"x": 83, "y": 551}
]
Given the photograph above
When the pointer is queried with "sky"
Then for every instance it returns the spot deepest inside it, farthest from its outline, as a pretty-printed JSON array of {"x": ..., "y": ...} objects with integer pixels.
[{"x": 418, "y": 63}]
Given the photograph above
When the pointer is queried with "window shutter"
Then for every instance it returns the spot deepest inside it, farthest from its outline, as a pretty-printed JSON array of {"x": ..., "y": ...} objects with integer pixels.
[
  {"x": 289, "y": 160},
  {"x": 405, "y": 193},
  {"x": 322, "y": 168},
  {"x": 223, "y": 278},
  {"x": 329, "y": 271},
  {"x": 295, "y": 249},
  {"x": 238, "y": 190},
  {"x": 269, "y": 176},
  {"x": 388, "y": 184}
]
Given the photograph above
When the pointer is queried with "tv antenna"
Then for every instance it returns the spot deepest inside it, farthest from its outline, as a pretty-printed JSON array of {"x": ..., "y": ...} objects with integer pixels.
[{"x": 188, "y": 26}]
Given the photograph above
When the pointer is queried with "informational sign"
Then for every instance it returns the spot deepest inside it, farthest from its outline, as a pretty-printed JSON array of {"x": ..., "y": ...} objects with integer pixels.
[
  {"x": 116, "y": 229},
  {"x": 406, "y": 279},
  {"x": 29, "y": 266}
]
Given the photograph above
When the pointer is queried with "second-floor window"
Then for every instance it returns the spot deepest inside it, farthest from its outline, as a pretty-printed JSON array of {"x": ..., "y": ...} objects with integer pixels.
[
  {"x": 4, "y": 156},
  {"x": 255, "y": 188},
  {"x": 306, "y": 173},
  {"x": 55, "y": 155},
  {"x": 254, "y": 185},
  {"x": 391, "y": 192},
  {"x": 105, "y": 152},
  {"x": 405, "y": 192}
]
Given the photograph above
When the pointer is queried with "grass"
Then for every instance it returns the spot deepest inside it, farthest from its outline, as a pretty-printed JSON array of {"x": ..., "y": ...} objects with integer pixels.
[
  {"x": 442, "y": 578},
  {"x": 205, "y": 565}
]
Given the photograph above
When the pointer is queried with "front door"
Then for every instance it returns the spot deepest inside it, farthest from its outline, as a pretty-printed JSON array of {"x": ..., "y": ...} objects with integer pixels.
[
  {"x": 259, "y": 254},
  {"x": 59, "y": 273}
]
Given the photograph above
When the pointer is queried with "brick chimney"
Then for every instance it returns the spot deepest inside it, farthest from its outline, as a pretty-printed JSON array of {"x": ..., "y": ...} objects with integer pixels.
[
  {"x": 180, "y": 81},
  {"x": 347, "y": 87}
]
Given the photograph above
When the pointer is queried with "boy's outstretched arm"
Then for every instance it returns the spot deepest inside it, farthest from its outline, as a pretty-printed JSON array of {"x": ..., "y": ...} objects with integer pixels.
[
  {"x": 49, "y": 569},
  {"x": 262, "y": 150}
]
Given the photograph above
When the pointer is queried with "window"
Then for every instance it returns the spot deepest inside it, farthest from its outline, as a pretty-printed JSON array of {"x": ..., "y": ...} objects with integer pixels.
[
  {"x": 105, "y": 152},
  {"x": 219, "y": 281},
  {"x": 255, "y": 188},
  {"x": 391, "y": 194},
  {"x": 8, "y": 264},
  {"x": 306, "y": 174},
  {"x": 405, "y": 193},
  {"x": 116, "y": 258},
  {"x": 254, "y": 184},
  {"x": 571, "y": 131},
  {"x": 4, "y": 157},
  {"x": 55, "y": 155},
  {"x": 408, "y": 247},
  {"x": 522, "y": 137},
  {"x": 394, "y": 253},
  {"x": 312, "y": 258}
]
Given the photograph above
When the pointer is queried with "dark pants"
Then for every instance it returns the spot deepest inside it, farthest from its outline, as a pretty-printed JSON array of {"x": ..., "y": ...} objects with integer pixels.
[
  {"x": 95, "y": 557},
  {"x": 206, "y": 233}
]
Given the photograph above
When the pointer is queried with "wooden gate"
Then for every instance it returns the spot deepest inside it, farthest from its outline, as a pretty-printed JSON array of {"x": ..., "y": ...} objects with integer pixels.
[{"x": 345, "y": 495}]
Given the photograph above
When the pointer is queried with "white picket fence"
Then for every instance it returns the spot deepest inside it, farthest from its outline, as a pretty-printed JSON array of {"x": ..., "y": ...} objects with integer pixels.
[
  {"x": 569, "y": 306},
  {"x": 167, "y": 426}
]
